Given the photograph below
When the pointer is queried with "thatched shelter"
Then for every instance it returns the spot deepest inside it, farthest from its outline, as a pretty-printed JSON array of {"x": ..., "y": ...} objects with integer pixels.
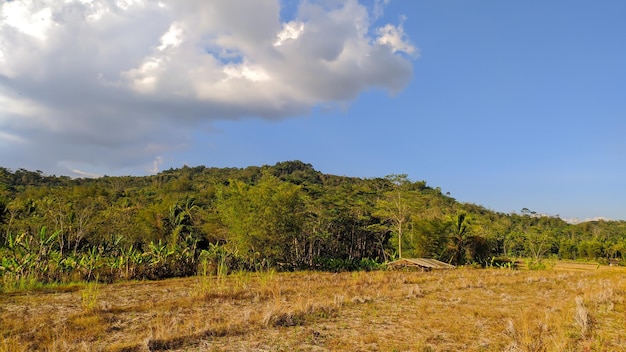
[{"x": 422, "y": 264}]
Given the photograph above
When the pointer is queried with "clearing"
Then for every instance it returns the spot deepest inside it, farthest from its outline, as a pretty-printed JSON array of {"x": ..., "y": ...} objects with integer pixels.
[{"x": 567, "y": 308}]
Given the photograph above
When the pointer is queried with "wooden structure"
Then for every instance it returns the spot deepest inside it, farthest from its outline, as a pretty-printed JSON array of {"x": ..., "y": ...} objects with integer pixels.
[{"x": 422, "y": 264}]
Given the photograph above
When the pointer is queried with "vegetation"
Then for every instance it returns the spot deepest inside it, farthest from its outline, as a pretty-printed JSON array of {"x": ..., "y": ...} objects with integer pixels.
[
  {"x": 248, "y": 251},
  {"x": 284, "y": 217},
  {"x": 573, "y": 307}
]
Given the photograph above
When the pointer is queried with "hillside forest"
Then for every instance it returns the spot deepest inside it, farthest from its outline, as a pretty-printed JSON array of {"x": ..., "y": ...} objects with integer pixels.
[{"x": 55, "y": 229}]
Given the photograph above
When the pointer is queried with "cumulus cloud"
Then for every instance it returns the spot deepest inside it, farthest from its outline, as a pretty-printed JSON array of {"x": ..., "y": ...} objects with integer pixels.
[
  {"x": 580, "y": 221},
  {"x": 119, "y": 83},
  {"x": 394, "y": 37}
]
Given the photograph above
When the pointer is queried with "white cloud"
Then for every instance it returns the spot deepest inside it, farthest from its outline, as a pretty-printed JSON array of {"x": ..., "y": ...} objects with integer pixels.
[
  {"x": 246, "y": 71},
  {"x": 98, "y": 82},
  {"x": 379, "y": 7},
  {"x": 156, "y": 164},
  {"x": 395, "y": 37},
  {"x": 172, "y": 38},
  {"x": 580, "y": 221},
  {"x": 291, "y": 30},
  {"x": 27, "y": 17},
  {"x": 85, "y": 174}
]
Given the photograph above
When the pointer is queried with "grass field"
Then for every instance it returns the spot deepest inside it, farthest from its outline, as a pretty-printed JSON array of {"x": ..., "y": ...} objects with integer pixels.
[{"x": 571, "y": 307}]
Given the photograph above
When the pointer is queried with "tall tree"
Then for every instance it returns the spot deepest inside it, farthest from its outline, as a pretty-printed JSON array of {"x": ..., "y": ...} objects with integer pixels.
[
  {"x": 396, "y": 205},
  {"x": 459, "y": 240},
  {"x": 264, "y": 220}
]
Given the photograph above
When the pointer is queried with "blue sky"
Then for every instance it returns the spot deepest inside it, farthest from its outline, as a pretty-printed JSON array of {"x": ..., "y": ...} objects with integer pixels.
[{"x": 509, "y": 105}]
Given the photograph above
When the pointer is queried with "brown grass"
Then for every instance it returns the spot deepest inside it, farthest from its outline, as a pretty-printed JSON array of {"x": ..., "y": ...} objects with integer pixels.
[{"x": 582, "y": 309}]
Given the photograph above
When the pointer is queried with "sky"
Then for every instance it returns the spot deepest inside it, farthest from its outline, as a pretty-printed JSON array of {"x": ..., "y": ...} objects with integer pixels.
[{"x": 508, "y": 105}]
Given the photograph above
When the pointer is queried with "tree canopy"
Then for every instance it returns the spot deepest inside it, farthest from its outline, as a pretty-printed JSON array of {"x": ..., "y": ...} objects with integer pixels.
[{"x": 288, "y": 215}]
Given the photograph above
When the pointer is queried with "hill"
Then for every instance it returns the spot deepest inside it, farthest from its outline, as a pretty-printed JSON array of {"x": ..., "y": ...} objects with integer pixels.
[{"x": 287, "y": 216}]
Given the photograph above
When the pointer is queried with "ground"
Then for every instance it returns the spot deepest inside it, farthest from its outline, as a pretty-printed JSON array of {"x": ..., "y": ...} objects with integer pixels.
[{"x": 571, "y": 307}]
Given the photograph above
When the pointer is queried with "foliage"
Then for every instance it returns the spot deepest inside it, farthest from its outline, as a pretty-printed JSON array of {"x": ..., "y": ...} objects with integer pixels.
[{"x": 286, "y": 217}]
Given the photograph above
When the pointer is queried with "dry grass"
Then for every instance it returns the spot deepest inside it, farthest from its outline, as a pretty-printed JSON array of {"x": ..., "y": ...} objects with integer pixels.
[{"x": 461, "y": 309}]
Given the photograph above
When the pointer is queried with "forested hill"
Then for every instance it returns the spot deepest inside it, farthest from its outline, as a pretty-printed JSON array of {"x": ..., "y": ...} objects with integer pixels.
[{"x": 287, "y": 215}]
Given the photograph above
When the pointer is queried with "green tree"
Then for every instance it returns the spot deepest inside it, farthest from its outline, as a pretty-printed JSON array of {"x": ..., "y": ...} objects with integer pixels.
[
  {"x": 396, "y": 205},
  {"x": 460, "y": 241},
  {"x": 430, "y": 236},
  {"x": 264, "y": 220},
  {"x": 537, "y": 242}
]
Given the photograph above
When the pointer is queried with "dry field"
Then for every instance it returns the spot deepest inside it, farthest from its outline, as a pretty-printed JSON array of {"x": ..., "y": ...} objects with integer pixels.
[{"x": 567, "y": 308}]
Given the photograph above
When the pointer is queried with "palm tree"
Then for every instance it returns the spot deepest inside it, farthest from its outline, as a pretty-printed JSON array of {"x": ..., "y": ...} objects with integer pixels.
[{"x": 459, "y": 240}]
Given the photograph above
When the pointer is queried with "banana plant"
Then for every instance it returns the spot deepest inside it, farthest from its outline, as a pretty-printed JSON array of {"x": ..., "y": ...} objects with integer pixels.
[
  {"x": 44, "y": 239},
  {"x": 134, "y": 260},
  {"x": 17, "y": 244},
  {"x": 90, "y": 261},
  {"x": 45, "y": 242},
  {"x": 18, "y": 265},
  {"x": 113, "y": 245},
  {"x": 68, "y": 264},
  {"x": 159, "y": 252}
]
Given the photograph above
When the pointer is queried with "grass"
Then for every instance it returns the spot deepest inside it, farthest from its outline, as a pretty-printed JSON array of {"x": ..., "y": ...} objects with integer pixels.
[{"x": 563, "y": 309}]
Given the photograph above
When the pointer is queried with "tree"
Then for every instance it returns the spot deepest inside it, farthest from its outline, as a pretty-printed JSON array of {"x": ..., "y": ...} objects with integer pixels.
[
  {"x": 395, "y": 206},
  {"x": 459, "y": 240},
  {"x": 264, "y": 220},
  {"x": 180, "y": 223},
  {"x": 430, "y": 237},
  {"x": 537, "y": 242}
]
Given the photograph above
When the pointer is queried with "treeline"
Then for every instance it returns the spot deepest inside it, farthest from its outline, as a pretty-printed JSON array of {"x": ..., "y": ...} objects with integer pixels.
[{"x": 287, "y": 216}]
